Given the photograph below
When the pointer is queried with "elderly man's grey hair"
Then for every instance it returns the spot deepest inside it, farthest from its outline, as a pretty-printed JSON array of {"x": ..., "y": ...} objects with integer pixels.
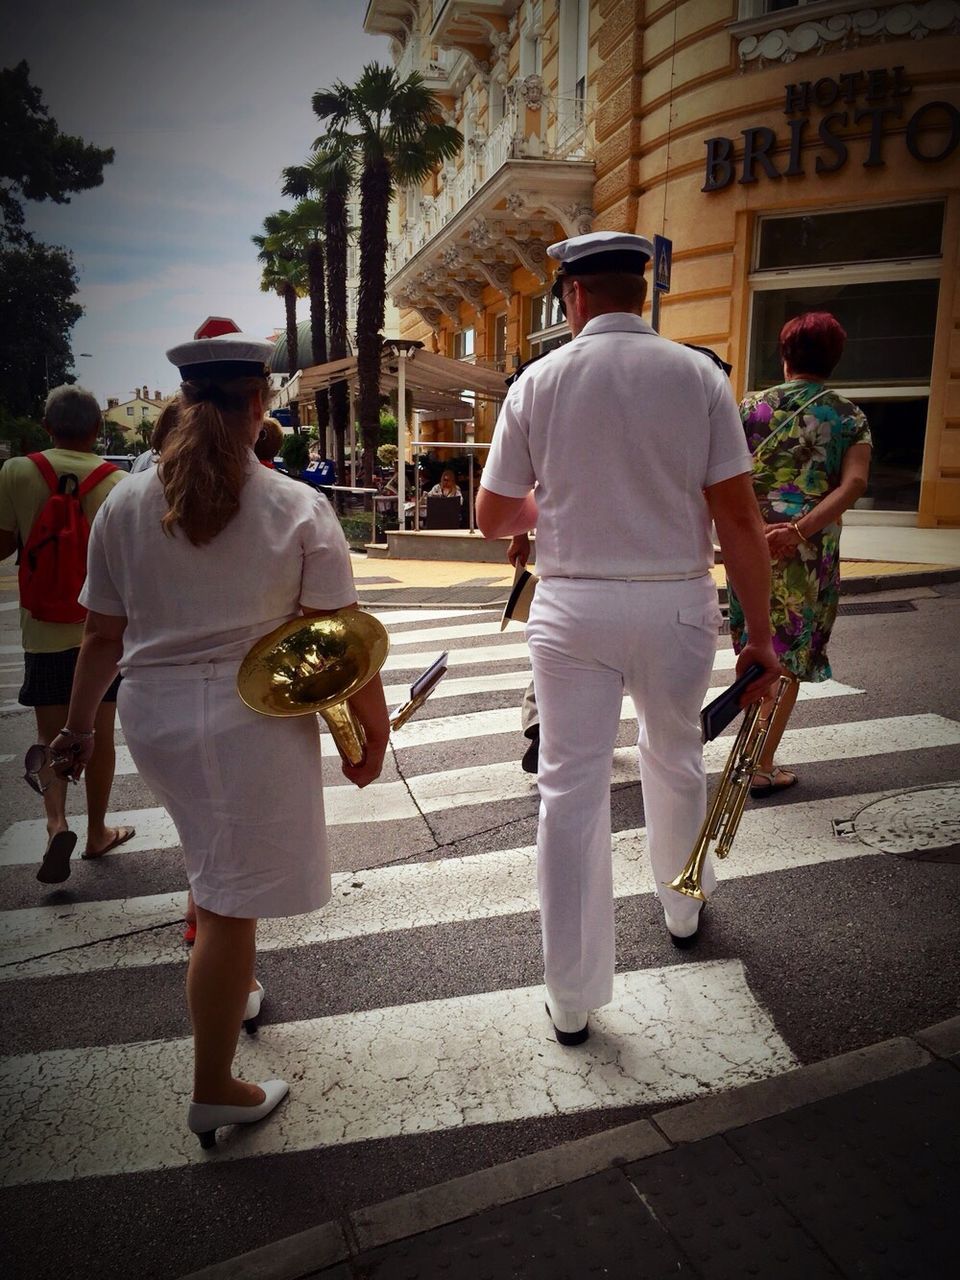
[{"x": 71, "y": 413}]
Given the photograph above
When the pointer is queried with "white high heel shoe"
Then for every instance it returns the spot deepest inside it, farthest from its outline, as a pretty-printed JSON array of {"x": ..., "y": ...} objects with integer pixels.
[
  {"x": 251, "y": 1014},
  {"x": 205, "y": 1118}
]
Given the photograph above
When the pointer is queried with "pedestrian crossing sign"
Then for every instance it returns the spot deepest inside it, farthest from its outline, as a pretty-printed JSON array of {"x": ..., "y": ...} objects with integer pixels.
[{"x": 662, "y": 261}]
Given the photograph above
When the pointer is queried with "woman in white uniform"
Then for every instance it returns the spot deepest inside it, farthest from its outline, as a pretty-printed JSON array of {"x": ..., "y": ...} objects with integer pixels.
[{"x": 207, "y": 553}]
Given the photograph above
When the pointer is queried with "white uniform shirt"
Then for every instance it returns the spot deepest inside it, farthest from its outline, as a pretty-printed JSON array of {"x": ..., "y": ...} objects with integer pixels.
[
  {"x": 187, "y": 604},
  {"x": 620, "y": 430}
]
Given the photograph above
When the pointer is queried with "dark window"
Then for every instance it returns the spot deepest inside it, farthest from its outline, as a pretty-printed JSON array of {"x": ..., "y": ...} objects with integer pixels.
[
  {"x": 827, "y": 239},
  {"x": 898, "y": 428},
  {"x": 890, "y": 330}
]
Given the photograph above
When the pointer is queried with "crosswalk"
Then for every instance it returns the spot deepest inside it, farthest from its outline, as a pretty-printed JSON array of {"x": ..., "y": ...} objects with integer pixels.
[{"x": 413, "y": 1061}]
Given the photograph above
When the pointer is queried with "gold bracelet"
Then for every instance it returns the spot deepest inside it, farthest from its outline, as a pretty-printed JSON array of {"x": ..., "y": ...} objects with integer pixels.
[{"x": 800, "y": 534}]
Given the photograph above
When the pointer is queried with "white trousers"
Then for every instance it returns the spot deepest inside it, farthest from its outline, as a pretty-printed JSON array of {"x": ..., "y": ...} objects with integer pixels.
[{"x": 589, "y": 641}]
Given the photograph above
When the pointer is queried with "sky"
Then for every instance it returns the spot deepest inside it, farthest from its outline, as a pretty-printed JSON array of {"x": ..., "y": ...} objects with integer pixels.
[{"x": 204, "y": 102}]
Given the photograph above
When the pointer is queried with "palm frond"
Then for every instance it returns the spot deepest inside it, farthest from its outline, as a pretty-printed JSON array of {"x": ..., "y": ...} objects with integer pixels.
[
  {"x": 333, "y": 104},
  {"x": 375, "y": 90},
  {"x": 296, "y": 181}
]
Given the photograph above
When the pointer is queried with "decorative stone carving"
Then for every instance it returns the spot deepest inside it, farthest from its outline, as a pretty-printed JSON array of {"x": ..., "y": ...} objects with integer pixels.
[
  {"x": 531, "y": 90},
  {"x": 470, "y": 290},
  {"x": 786, "y": 43},
  {"x": 497, "y": 274},
  {"x": 449, "y": 304},
  {"x": 580, "y": 217},
  {"x": 499, "y": 46},
  {"x": 516, "y": 202},
  {"x": 429, "y": 315},
  {"x": 532, "y": 254},
  {"x": 480, "y": 234}
]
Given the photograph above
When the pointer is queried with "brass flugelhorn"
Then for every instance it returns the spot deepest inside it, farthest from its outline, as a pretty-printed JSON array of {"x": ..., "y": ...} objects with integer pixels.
[
  {"x": 723, "y": 817},
  {"x": 315, "y": 665}
]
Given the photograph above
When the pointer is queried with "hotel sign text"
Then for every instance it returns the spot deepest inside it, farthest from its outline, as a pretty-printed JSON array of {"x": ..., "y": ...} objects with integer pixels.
[{"x": 860, "y": 97}]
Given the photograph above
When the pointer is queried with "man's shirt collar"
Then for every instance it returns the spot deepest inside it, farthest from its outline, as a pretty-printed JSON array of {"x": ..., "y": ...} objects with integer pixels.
[{"x": 616, "y": 322}]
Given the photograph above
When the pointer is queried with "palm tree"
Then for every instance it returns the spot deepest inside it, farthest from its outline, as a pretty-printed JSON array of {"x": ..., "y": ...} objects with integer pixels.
[
  {"x": 306, "y": 221},
  {"x": 395, "y": 127},
  {"x": 328, "y": 174},
  {"x": 284, "y": 273}
]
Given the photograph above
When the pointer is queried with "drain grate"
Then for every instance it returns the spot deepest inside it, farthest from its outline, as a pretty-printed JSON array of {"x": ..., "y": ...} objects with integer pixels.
[{"x": 878, "y": 606}]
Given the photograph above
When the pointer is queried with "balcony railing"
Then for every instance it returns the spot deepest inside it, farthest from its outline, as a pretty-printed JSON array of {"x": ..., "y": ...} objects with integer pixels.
[
  {"x": 415, "y": 57},
  {"x": 554, "y": 128}
]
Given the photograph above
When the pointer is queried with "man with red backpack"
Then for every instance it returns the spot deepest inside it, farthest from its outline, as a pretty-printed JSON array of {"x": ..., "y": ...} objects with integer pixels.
[{"x": 47, "y": 501}]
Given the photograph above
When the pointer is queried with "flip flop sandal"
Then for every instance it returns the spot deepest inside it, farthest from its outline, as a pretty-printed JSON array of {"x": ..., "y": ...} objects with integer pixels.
[
  {"x": 55, "y": 867},
  {"x": 768, "y": 788},
  {"x": 123, "y": 835}
]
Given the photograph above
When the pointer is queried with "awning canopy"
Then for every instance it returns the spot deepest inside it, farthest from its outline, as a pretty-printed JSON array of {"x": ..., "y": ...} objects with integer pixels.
[{"x": 437, "y": 382}]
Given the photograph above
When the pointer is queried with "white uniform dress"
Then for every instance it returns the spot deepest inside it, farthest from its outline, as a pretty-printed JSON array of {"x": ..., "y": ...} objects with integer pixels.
[
  {"x": 244, "y": 790},
  {"x": 620, "y": 431}
]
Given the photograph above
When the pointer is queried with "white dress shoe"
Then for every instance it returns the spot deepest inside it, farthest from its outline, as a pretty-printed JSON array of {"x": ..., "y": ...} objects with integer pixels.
[
  {"x": 251, "y": 1014},
  {"x": 569, "y": 1025},
  {"x": 205, "y": 1118},
  {"x": 683, "y": 932}
]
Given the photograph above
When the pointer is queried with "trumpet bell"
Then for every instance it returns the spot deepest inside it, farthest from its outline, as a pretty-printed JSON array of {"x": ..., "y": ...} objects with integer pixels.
[{"x": 308, "y": 665}]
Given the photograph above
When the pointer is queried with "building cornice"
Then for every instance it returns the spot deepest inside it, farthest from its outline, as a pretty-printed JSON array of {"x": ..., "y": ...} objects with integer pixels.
[{"x": 785, "y": 36}]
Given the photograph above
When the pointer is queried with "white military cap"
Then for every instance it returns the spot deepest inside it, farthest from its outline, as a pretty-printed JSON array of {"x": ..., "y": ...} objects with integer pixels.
[
  {"x": 602, "y": 251},
  {"x": 228, "y": 355}
]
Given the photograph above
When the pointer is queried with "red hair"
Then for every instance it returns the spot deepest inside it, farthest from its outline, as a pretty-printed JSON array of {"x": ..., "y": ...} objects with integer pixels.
[{"x": 812, "y": 343}]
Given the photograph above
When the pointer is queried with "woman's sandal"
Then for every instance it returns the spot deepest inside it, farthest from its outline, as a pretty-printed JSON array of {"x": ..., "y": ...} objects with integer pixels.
[{"x": 772, "y": 784}]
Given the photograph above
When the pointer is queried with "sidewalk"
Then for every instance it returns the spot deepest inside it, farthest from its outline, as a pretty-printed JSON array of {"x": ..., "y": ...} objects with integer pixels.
[
  {"x": 846, "y": 1168},
  {"x": 875, "y": 558}
]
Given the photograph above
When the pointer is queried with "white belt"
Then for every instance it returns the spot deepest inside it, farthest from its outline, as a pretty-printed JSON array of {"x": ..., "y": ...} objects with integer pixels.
[{"x": 643, "y": 577}]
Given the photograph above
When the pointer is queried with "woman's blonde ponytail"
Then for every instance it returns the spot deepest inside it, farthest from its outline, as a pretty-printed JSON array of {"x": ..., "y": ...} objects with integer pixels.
[{"x": 206, "y": 456}]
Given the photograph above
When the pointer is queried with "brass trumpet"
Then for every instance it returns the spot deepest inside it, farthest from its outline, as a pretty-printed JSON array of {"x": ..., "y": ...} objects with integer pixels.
[
  {"x": 315, "y": 665},
  {"x": 723, "y": 817}
]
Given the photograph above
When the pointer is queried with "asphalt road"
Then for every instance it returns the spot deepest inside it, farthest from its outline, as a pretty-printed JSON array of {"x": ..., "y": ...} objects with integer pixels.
[{"x": 408, "y": 1017}]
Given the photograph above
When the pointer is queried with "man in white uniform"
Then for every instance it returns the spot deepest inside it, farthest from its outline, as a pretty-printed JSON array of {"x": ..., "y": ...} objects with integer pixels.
[{"x": 619, "y": 448}]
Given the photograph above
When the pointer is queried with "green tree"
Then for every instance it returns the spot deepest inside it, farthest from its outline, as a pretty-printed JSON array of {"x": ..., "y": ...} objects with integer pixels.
[
  {"x": 295, "y": 453},
  {"x": 395, "y": 128},
  {"x": 24, "y": 435},
  {"x": 37, "y": 161},
  {"x": 113, "y": 440},
  {"x": 37, "y": 312},
  {"x": 284, "y": 273},
  {"x": 37, "y": 282},
  {"x": 329, "y": 175}
]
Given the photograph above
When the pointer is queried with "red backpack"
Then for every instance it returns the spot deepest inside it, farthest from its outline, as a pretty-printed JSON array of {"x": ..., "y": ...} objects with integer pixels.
[{"x": 53, "y": 564}]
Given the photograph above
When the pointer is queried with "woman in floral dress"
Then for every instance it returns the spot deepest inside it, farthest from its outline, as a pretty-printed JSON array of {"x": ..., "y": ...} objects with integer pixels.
[{"x": 811, "y": 451}]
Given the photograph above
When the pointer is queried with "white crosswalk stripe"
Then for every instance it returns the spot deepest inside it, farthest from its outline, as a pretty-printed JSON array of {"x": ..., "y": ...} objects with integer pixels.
[
  {"x": 478, "y": 1059},
  {"x": 481, "y": 724},
  {"x": 430, "y": 1065},
  {"x": 495, "y": 783},
  {"x": 132, "y": 932}
]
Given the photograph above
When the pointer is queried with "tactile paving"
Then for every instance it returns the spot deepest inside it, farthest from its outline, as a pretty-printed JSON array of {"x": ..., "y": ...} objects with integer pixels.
[
  {"x": 722, "y": 1217},
  {"x": 597, "y": 1227},
  {"x": 873, "y": 1174}
]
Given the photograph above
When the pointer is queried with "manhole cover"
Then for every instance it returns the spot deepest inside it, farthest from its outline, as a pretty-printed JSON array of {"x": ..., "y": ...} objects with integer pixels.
[{"x": 924, "y": 823}]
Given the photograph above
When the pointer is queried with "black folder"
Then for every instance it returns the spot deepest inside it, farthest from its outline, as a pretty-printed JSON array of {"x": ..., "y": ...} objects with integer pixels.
[{"x": 716, "y": 715}]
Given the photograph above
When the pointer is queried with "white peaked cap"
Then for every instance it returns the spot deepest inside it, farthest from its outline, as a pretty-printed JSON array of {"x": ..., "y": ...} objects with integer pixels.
[
  {"x": 230, "y": 355},
  {"x": 602, "y": 251}
]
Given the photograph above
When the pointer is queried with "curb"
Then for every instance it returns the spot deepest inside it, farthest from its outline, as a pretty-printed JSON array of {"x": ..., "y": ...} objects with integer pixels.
[{"x": 309, "y": 1252}]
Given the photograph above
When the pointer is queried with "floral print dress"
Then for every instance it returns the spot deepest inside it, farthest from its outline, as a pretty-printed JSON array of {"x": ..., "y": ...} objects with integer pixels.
[{"x": 796, "y": 463}]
